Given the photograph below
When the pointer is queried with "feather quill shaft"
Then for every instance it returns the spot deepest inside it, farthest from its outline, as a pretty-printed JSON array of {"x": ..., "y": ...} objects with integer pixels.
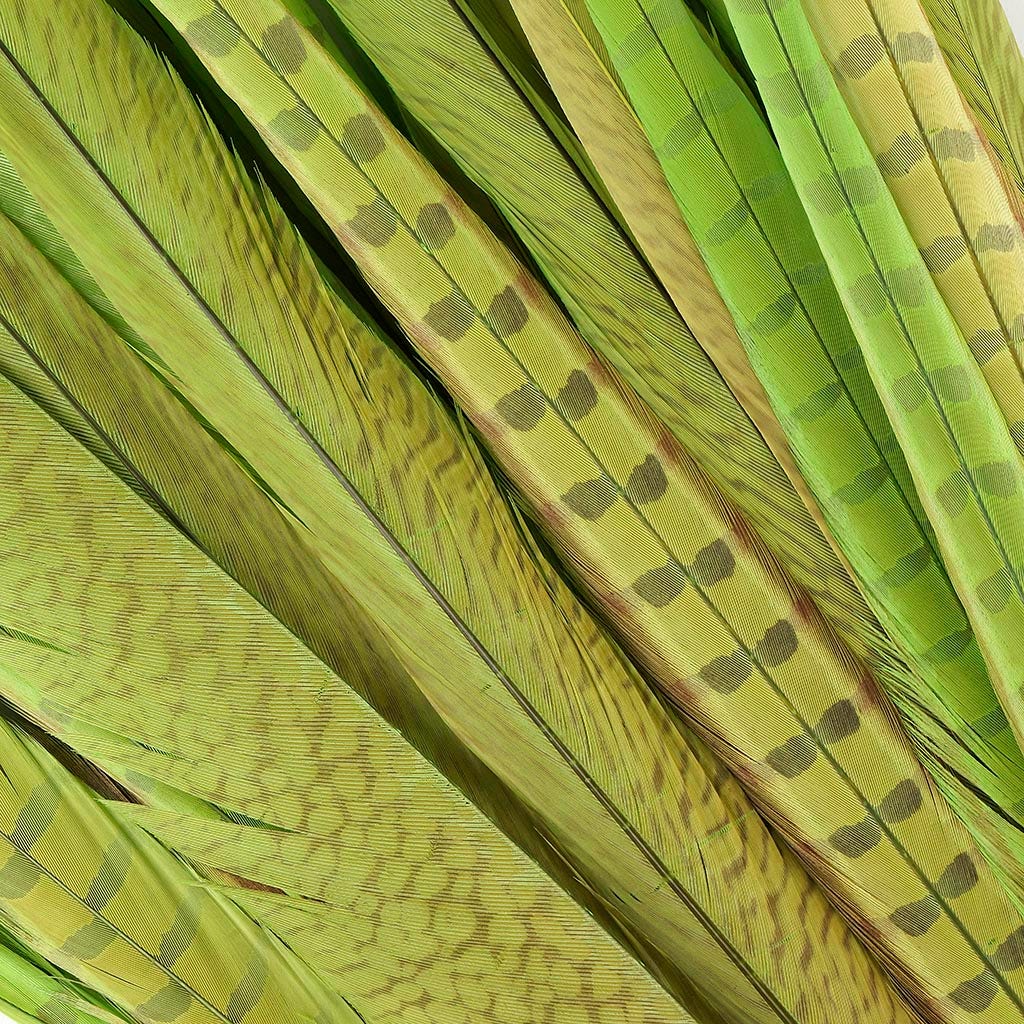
[
  {"x": 689, "y": 587},
  {"x": 509, "y": 660}
]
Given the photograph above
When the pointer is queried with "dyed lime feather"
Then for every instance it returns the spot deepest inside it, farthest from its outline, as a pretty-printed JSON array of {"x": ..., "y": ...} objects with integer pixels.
[
  {"x": 966, "y": 468},
  {"x": 509, "y": 660},
  {"x": 689, "y": 587},
  {"x": 890, "y": 71},
  {"x": 735, "y": 191}
]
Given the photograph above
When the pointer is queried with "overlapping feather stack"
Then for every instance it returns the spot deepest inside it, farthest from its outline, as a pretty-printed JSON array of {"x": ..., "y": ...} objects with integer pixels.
[{"x": 511, "y": 511}]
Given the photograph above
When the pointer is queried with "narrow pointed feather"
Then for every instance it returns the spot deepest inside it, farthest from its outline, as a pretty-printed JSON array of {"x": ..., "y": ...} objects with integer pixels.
[
  {"x": 31, "y": 989},
  {"x": 563, "y": 35},
  {"x": 984, "y": 57},
  {"x": 51, "y": 343},
  {"x": 966, "y": 468},
  {"x": 730, "y": 181},
  {"x": 890, "y": 71},
  {"x": 690, "y": 588},
  {"x": 516, "y": 149},
  {"x": 717, "y": 16},
  {"x": 509, "y": 660},
  {"x": 197, "y": 484},
  {"x": 382, "y": 814},
  {"x": 124, "y": 914}
]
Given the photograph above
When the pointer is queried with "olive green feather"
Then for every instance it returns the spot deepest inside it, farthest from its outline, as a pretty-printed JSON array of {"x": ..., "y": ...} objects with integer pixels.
[
  {"x": 391, "y": 498},
  {"x": 670, "y": 336},
  {"x": 690, "y": 588},
  {"x": 198, "y": 625},
  {"x": 112, "y": 906}
]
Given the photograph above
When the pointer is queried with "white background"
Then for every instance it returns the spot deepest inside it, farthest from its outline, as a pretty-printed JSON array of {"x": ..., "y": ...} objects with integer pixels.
[{"x": 1015, "y": 10}]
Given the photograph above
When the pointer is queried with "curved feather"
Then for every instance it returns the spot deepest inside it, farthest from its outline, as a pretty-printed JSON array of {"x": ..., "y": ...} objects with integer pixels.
[
  {"x": 510, "y": 661},
  {"x": 733, "y": 186},
  {"x": 690, "y": 588}
]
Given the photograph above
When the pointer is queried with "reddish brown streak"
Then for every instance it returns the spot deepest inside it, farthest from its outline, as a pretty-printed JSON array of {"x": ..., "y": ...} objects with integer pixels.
[
  {"x": 671, "y": 454},
  {"x": 598, "y": 372},
  {"x": 530, "y": 290},
  {"x": 248, "y": 883}
]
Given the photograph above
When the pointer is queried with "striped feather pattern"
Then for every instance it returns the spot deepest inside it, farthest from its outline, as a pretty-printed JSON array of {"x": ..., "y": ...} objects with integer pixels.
[
  {"x": 518, "y": 671},
  {"x": 889, "y": 67},
  {"x": 735, "y": 191},
  {"x": 689, "y": 587},
  {"x": 127, "y": 916},
  {"x": 982, "y": 53}
]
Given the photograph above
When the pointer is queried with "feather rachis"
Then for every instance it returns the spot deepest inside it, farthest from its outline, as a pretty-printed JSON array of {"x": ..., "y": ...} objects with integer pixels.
[
  {"x": 551, "y": 455},
  {"x": 315, "y": 509}
]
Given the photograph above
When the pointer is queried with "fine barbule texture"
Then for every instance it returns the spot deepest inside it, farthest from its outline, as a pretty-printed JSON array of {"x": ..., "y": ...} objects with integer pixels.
[{"x": 511, "y": 511}]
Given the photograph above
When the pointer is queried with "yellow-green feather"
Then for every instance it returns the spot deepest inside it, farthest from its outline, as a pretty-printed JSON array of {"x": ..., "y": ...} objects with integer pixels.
[
  {"x": 32, "y": 989},
  {"x": 957, "y": 443},
  {"x": 984, "y": 57},
  {"x": 730, "y": 181},
  {"x": 890, "y": 71},
  {"x": 335, "y": 791},
  {"x": 126, "y": 916},
  {"x": 576, "y": 62},
  {"x": 691, "y": 590},
  {"x": 520, "y": 151},
  {"x": 422, "y": 539}
]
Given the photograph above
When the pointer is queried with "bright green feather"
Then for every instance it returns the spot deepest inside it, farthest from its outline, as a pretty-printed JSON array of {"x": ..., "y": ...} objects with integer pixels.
[
  {"x": 966, "y": 468},
  {"x": 731, "y": 183},
  {"x": 398, "y": 508}
]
